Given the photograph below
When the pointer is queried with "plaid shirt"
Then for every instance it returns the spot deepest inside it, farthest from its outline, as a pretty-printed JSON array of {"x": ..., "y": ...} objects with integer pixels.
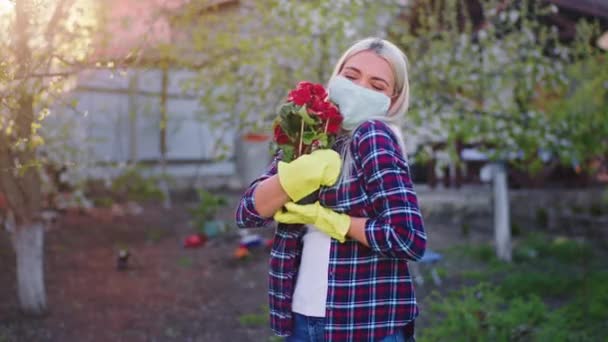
[{"x": 370, "y": 294}]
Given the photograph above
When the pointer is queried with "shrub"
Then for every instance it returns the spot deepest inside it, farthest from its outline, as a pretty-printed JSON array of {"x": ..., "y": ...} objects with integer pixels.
[
  {"x": 583, "y": 319},
  {"x": 597, "y": 209},
  {"x": 480, "y": 313},
  {"x": 134, "y": 186},
  {"x": 563, "y": 250},
  {"x": 484, "y": 253},
  {"x": 208, "y": 207},
  {"x": 542, "y": 217},
  {"x": 538, "y": 283}
]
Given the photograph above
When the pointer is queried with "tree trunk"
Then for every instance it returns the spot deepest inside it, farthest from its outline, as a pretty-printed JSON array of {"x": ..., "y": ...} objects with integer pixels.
[
  {"x": 502, "y": 226},
  {"x": 133, "y": 118},
  {"x": 28, "y": 242},
  {"x": 164, "y": 118}
]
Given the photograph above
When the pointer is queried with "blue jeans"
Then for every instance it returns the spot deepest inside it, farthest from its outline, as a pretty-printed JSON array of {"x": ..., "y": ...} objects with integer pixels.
[{"x": 312, "y": 329}]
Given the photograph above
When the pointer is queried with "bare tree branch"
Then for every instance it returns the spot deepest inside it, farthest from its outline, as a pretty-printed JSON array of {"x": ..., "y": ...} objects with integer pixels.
[
  {"x": 58, "y": 14},
  {"x": 6, "y": 104},
  {"x": 51, "y": 29},
  {"x": 66, "y": 62},
  {"x": 69, "y": 105},
  {"x": 46, "y": 75}
]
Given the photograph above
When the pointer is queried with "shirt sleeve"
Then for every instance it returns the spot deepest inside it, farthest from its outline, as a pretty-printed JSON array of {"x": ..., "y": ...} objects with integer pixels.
[
  {"x": 246, "y": 214},
  {"x": 396, "y": 227}
]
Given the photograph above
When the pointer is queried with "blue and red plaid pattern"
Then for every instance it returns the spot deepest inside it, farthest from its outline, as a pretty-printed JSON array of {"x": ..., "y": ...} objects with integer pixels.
[{"x": 371, "y": 294}]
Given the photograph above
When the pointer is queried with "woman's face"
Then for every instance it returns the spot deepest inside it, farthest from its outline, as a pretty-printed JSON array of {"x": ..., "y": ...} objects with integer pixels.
[{"x": 371, "y": 71}]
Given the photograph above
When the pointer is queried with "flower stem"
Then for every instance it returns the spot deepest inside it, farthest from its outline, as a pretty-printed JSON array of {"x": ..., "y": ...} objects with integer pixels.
[
  {"x": 301, "y": 136},
  {"x": 326, "y": 126}
]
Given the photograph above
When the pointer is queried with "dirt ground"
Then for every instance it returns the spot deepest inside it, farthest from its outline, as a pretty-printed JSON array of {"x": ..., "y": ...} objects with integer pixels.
[{"x": 169, "y": 293}]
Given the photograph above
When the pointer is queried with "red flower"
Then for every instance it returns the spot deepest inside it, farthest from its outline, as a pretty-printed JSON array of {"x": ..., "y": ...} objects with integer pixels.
[
  {"x": 318, "y": 91},
  {"x": 308, "y": 93},
  {"x": 334, "y": 125},
  {"x": 325, "y": 125},
  {"x": 280, "y": 137},
  {"x": 327, "y": 110},
  {"x": 333, "y": 113},
  {"x": 305, "y": 84},
  {"x": 299, "y": 96},
  {"x": 318, "y": 106}
]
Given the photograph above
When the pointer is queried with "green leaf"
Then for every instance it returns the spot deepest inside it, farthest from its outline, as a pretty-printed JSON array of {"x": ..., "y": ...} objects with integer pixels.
[
  {"x": 323, "y": 140},
  {"x": 288, "y": 152},
  {"x": 308, "y": 137},
  {"x": 303, "y": 113},
  {"x": 291, "y": 125},
  {"x": 286, "y": 109}
]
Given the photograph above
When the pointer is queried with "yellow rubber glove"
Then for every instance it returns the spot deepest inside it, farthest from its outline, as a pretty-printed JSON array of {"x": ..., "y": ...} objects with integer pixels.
[
  {"x": 308, "y": 172},
  {"x": 326, "y": 220}
]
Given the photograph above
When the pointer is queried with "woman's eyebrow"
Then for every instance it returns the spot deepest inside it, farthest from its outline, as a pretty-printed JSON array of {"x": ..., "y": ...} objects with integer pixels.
[
  {"x": 375, "y": 78},
  {"x": 380, "y": 79},
  {"x": 353, "y": 69}
]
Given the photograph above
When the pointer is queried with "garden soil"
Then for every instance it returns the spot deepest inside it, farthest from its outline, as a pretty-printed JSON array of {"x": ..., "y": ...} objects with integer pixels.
[{"x": 167, "y": 292}]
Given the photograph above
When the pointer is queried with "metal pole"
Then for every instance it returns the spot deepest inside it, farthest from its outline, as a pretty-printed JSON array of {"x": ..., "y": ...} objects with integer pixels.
[{"x": 502, "y": 226}]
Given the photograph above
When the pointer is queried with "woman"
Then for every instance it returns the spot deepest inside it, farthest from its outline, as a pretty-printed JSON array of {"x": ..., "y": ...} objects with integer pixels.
[{"x": 345, "y": 276}]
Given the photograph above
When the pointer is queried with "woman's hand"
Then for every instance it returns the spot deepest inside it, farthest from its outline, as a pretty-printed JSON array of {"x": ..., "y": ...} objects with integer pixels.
[
  {"x": 307, "y": 173},
  {"x": 326, "y": 220}
]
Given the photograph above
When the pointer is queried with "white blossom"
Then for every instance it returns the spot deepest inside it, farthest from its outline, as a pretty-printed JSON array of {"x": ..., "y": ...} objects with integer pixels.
[{"x": 513, "y": 16}]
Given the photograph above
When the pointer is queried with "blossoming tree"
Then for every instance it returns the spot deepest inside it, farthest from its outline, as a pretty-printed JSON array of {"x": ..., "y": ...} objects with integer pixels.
[
  {"x": 502, "y": 82},
  {"x": 42, "y": 45},
  {"x": 257, "y": 51}
]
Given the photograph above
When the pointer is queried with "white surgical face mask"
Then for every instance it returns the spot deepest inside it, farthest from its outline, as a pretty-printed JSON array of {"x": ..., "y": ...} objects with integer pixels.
[{"x": 356, "y": 103}]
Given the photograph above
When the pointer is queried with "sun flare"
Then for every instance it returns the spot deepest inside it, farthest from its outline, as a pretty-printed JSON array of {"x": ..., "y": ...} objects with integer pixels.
[{"x": 6, "y": 6}]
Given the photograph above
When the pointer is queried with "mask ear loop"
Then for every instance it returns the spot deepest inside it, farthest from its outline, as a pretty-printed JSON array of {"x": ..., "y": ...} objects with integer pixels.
[{"x": 394, "y": 99}]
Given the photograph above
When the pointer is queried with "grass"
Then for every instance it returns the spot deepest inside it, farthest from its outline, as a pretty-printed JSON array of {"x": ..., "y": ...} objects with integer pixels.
[
  {"x": 542, "y": 217},
  {"x": 554, "y": 290},
  {"x": 480, "y": 313},
  {"x": 104, "y": 202},
  {"x": 483, "y": 253},
  {"x": 255, "y": 319},
  {"x": 171, "y": 332},
  {"x": 549, "y": 284},
  {"x": 473, "y": 275},
  {"x": 4, "y": 336},
  {"x": 185, "y": 261},
  {"x": 584, "y": 318},
  {"x": 558, "y": 248},
  {"x": 155, "y": 235}
]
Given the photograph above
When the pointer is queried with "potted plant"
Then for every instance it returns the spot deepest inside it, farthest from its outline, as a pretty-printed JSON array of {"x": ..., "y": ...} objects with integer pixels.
[{"x": 204, "y": 214}]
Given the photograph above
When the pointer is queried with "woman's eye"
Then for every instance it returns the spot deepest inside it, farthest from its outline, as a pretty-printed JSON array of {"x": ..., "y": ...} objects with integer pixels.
[{"x": 350, "y": 77}]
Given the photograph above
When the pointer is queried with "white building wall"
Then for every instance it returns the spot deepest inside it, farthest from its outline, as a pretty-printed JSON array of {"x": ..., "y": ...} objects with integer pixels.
[{"x": 103, "y": 104}]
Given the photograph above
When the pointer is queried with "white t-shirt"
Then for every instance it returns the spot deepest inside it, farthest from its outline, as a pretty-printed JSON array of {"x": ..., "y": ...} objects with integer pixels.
[{"x": 310, "y": 294}]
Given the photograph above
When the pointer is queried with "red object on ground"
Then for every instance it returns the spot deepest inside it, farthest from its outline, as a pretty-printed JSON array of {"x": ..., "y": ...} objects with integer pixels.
[
  {"x": 195, "y": 240},
  {"x": 256, "y": 137},
  {"x": 241, "y": 252}
]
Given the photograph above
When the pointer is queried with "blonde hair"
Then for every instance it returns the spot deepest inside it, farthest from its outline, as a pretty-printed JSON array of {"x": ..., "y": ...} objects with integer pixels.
[{"x": 399, "y": 65}]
